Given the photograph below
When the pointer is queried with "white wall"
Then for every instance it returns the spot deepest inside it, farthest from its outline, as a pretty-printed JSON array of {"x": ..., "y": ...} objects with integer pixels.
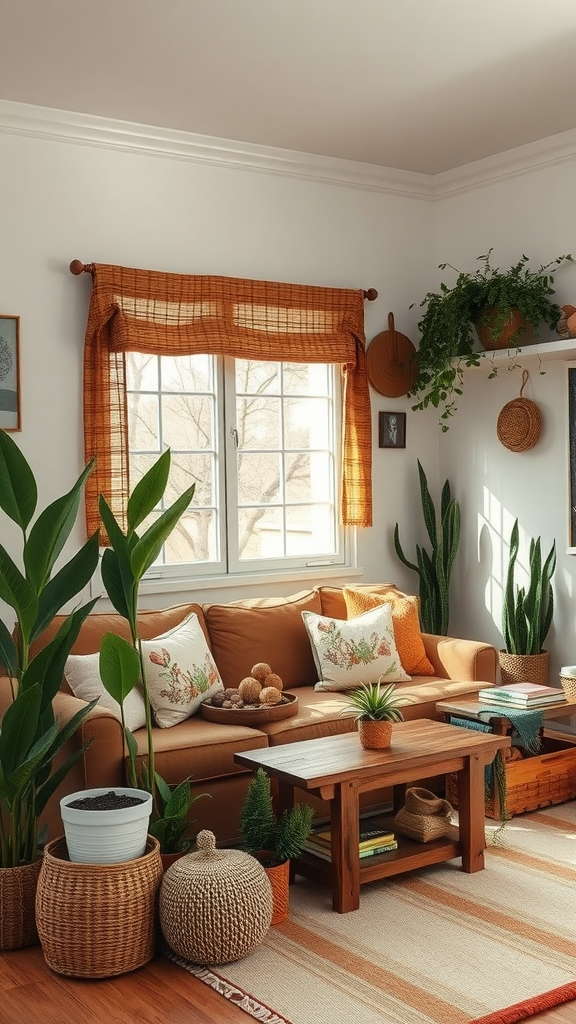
[
  {"x": 531, "y": 213},
  {"x": 64, "y": 200}
]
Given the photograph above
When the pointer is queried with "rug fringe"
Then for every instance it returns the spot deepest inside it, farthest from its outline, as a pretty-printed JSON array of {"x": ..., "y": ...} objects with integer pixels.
[{"x": 528, "y": 1007}]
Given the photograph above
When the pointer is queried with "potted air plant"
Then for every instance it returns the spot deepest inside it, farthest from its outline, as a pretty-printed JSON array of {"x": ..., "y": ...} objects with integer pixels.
[{"x": 375, "y": 709}]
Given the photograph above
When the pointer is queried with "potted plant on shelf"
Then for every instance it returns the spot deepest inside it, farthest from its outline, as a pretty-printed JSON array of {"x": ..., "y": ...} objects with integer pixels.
[
  {"x": 375, "y": 709},
  {"x": 122, "y": 664},
  {"x": 273, "y": 840},
  {"x": 502, "y": 307},
  {"x": 527, "y": 615},
  {"x": 434, "y": 568},
  {"x": 30, "y": 737}
]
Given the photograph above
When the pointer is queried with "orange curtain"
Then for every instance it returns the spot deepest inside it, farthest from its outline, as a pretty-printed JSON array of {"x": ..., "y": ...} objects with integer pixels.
[{"x": 177, "y": 314}]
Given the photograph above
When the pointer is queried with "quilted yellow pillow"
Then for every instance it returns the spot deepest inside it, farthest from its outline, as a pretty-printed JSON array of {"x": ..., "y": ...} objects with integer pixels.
[{"x": 406, "y": 625}]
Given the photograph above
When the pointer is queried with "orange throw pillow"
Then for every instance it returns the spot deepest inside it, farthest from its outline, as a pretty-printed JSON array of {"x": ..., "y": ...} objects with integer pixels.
[{"x": 405, "y": 621}]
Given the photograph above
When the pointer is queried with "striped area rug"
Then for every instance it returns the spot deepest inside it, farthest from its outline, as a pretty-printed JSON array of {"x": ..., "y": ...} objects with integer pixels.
[{"x": 435, "y": 946}]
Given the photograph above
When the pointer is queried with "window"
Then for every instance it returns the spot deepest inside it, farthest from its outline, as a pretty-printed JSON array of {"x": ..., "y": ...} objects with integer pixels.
[{"x": 260, "y": 441}]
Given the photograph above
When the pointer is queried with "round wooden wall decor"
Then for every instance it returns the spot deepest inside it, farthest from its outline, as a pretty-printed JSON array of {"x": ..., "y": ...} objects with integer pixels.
[
  {"x": 391, "y": 362},
  {"x": 519, "y": 422}
]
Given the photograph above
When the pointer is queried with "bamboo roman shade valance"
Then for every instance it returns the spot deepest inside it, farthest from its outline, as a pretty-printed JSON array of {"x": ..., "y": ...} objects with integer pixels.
[{"x": 177, "y": 314}]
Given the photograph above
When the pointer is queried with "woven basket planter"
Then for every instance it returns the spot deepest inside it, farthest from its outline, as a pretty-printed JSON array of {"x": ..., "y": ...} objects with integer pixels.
[
  {"x": 568, "y": 680},
  {"x": 422, "y": 827},
  {"x": 374, "y": 735},
  {"x": 98, "y": 920},
  {"x": 524, "y": 668},
  {"x": 17, "y": 900}
]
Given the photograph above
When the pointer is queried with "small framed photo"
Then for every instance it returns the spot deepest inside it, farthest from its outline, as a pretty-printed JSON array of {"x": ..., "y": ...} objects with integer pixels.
[
  {"x": 392, "y": 430},
  {"x": 9, "y": 372}
]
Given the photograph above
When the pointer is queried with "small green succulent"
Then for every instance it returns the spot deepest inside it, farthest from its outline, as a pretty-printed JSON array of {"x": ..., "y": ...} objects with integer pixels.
[{"x": 371, "y": 702}]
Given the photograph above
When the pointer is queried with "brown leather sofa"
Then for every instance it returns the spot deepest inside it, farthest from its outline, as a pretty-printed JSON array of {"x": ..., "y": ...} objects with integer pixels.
[{"x": 240, "y": 634}]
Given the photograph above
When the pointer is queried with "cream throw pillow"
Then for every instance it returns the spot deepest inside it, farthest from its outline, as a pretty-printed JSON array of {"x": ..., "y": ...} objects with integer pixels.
[
  {"x": 180, "y": 672},
  {"x": 349, "y": 652},
  {"x": 82, "y": 673}
]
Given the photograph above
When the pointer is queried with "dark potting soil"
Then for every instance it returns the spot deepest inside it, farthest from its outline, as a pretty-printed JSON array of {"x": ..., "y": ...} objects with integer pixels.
[{"x": 110, "y": 801}]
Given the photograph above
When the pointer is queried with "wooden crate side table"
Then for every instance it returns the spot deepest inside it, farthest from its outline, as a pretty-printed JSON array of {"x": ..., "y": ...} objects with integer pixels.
[{"x": 532, "y": 782}]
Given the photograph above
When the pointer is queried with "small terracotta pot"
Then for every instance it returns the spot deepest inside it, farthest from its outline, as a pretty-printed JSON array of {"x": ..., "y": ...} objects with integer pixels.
[
  {"x": 514, "y": 326},
  {"x": 374, "y": 735},
  {"x": 279, "y": 878}
]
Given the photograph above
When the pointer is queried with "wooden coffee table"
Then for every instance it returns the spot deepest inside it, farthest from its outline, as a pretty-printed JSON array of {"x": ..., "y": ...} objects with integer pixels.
[{"x": 337, "y": 769}]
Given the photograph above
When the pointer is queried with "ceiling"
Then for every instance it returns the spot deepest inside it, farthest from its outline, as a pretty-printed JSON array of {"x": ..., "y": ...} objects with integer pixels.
[{"x": 418, "y": 85}]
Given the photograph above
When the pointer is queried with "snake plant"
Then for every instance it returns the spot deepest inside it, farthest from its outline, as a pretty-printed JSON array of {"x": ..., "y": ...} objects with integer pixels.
[
  {"x": 435, "y": 567},
  {"x": 527, "y": 613}
]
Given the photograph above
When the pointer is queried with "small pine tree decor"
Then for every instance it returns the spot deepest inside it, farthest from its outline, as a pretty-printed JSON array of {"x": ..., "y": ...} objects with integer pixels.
[{"x": 272, "y": 839}]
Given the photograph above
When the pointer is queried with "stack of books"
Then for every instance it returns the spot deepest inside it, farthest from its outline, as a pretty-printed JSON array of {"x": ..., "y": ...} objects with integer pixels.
[
  {"x": 372, "y": 841},
  {"x": 522, "y": 695}
]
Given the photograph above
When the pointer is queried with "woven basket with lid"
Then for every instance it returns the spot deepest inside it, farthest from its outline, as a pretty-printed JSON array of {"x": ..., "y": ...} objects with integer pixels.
[{"x": 215, "y": 905}]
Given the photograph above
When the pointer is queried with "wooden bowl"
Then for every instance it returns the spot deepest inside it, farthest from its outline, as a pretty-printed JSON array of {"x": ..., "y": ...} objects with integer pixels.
[{"x": 252, "y": 716}]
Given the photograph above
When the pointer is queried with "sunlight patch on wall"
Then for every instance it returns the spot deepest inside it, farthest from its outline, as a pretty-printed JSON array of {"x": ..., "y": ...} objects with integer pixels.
[{"x": 494, "y": 528}]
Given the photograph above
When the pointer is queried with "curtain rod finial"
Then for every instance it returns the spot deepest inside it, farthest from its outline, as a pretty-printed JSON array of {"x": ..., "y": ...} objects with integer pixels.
[
  {"x": 371, "y": 294},
  {"x": 77, "y": 267}
]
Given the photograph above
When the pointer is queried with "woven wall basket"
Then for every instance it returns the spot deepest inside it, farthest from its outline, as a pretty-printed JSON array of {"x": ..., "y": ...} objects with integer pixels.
[
  {"x": 98, "y": 920},
  {"x": 519, "y": 422}
]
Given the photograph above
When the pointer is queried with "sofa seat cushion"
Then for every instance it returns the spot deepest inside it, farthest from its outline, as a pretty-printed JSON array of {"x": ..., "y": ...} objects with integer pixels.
[
  {"x": 318, "y": 716},
  {"x": 423, "y": 693},
  {"x": 197, "y": 748},
  {"x": 270, "y": 630}
]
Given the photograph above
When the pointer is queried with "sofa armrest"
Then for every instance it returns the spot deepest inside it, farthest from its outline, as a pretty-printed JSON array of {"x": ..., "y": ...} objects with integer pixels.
[{"x": 454, "y": 658}]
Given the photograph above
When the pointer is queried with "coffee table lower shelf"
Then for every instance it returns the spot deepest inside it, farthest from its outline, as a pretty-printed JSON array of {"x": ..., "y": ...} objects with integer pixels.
[{"x": 410, "y": 855}]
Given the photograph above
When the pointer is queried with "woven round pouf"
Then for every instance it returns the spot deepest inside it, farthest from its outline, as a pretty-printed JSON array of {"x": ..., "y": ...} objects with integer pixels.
[{"x": 215, "y": 905}]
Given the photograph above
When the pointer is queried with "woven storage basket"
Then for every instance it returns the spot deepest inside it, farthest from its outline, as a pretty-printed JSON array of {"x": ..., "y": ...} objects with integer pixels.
[
  {"x": 524, "y": 668},
  {"x": 98, "y": 920},
  {"x": 17, "y": 900},
  {"x": 424, "y": 816},
  {"x": 422, "y": 801},
  {"x": 568, "y": 684},
  {"x": 519, "y": 423},
  {"x": 215, "y": 905}
]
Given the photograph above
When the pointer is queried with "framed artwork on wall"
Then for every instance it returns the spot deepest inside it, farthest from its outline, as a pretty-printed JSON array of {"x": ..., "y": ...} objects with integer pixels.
[
  {"x": 9, "y": 372},
  {"x": 392, "y": 430}
]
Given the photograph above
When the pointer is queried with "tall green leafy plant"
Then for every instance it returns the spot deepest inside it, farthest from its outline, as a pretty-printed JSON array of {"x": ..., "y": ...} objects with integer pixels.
[
  {"x": 30, "y": 736},
  {"x": 527, "y": 612},
  {"x": 122, "y": 665},
  {"x": 434, "y": 567},
  {"x": 274, "y": 838}
]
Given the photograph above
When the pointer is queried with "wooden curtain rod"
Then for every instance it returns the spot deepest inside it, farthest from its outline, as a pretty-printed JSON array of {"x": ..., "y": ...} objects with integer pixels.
[{"x": 77, "y": 268}]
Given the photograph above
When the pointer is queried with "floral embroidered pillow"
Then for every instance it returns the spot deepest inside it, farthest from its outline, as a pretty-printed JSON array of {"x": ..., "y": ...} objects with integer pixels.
[
  {"x": 180, "y": 672},
  {"x": 349, "y": 652}
]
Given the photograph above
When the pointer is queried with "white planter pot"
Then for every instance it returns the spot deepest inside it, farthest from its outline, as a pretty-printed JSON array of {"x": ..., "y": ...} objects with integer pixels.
[{"x": 106, "y": 836}]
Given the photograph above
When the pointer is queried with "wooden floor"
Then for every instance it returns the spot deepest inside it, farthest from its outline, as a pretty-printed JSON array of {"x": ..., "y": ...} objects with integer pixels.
[{"x": 160, "y": 993}]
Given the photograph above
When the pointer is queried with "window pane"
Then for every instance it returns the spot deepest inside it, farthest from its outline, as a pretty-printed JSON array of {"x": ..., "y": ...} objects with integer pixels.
[
  {"x": 187, "y": 469},
  {"x": 187, "y": 421},
  {"x": 260, "y": 533},
  {"x": 309, "y": 477},
  {"x": 306, "y": 379},
  {"x": 141, "y": 372},
  {"x": 194, "y": 538},
  {"x": 258, "y": 422},
  {"x": 143, "y": 426},
  {"x": 259, "y": 478},
  {"x": 309, "y": 529},
  {"x": 186, "y": 373},
  {"x": 256, "y": 377},
  {"x": 307, "y": 423}
]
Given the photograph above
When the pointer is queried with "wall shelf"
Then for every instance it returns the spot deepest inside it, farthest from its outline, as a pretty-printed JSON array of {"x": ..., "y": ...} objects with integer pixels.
[{"x": 545, "y": 352}]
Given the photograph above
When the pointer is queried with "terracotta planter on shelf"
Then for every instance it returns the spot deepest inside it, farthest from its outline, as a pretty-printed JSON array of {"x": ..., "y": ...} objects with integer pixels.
[
  {"x": 514, "y": 327},
  {"x": 374, "y": 735},
  {"x": 524, "y": 668},
  {"x": 18, "y": 899}
]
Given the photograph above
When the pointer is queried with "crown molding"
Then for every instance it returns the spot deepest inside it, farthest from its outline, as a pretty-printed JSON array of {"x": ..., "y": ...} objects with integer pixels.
[
  {"x": 88, "y": 129},
  {"x": 512, "y": 163}
]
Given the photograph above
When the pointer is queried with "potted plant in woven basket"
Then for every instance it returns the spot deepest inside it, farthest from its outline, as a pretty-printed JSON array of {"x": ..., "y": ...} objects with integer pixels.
[
  {"x": 273, "y": 840},
  {"x": 375, "y": 709},
  {"x": 30, "y": 737},
  {"x": 503, "y": 308},
  {"x": 527, "y": 615}
]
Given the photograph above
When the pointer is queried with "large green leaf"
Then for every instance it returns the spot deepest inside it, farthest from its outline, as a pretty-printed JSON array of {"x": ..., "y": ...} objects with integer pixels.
[
  {"x": 47, "y": 666},
  {"x": 113, "y": 580},
  {"x": 51, "y": 531},
  {"x": 148, "y": 492},
  {"x": 16, "y": 591},
  {"x": 146, "y": 551},
  {"x": 18, "y": 491},
  {"x": 119, "y": 666},
  {"x": 19, "y": 729},
  {"x": 67, "y": 583},
  {"x": 8, "y": 651}
]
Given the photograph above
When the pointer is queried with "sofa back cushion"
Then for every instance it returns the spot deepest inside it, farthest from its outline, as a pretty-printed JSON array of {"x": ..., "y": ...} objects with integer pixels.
[{"x": 267, "y": 629}]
